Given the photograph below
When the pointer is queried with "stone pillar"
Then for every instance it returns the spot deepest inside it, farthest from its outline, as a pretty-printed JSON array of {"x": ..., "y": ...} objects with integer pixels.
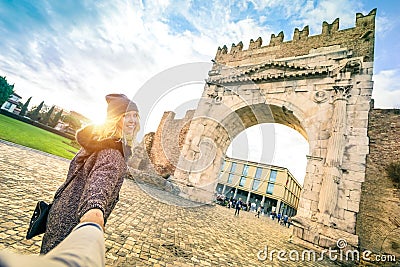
[
  {"x": 278, "y": 206},
  {"x": 223, "y": 189},
  {"x": 308, "y": 203},
  {"x": 336, "y": 143},
  {"x": 234, "y": 195},
  {"x": 248, "y": 197},
  {"x": 262, "y": 204}
]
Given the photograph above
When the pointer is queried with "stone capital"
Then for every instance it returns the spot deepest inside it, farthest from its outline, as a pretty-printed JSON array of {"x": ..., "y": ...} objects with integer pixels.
[{"x": 342, "y": 92}]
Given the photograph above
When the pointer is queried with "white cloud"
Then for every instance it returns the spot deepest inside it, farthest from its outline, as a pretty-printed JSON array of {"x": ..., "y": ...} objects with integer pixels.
[
  {"x": 125, "y": 46},
  {"x": 383, "y": 25},
  {"x": 291, "y": 150},
  {"x": 182, "y": 97},
  {"x": 326, "y": 10},
  {"x": 131, "y": 45},
  {"x": 386, "y": 92},
  {"x": 261, "y": 5}
]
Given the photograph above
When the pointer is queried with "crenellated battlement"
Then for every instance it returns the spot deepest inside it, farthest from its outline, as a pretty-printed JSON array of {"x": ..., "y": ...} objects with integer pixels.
[
  {"x": 328, "y": 29},
  {"x": 276, "y": 40},
  {"x": 359, "y": 40},
  {"x": 301, "y": 35},
  {"x": 236, "y": 48},
  {"x": 256, "y": 44}
]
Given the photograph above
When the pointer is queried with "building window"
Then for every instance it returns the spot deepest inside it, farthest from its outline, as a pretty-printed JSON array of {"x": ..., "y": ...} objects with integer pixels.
[
  {"x": 230, "y": 178},
  {"x": 8, "y": 105},
  {"x": 245, "y": 170},
  {"x": 270, "y": 188},
  {"x": 233, "y": 167},
  {"x": 258, "y": 172},
  {"x": 256, "y": 184},
  {"x": 223, "y": 165},
  {"x": 242, "y": 181},
  {"x": 272, "y": 176}
]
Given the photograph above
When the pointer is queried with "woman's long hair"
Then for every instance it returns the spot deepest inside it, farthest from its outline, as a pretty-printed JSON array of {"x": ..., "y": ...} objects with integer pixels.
[{"x": 111, "y": 129}]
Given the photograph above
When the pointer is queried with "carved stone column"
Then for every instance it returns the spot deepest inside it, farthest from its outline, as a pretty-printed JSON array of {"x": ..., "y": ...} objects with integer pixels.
[{"x": 334, "y": 156}]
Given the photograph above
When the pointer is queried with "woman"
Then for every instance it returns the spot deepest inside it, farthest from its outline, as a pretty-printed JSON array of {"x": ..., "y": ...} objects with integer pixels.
[{"x": 96, "y": 173}]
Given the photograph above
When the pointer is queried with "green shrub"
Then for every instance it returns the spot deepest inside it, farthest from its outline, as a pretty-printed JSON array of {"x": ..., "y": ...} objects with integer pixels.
[{"x": 393, "y": 171}]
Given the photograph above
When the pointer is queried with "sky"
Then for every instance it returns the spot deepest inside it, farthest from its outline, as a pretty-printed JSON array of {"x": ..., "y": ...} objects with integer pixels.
[{"x": 72, "y": 53}]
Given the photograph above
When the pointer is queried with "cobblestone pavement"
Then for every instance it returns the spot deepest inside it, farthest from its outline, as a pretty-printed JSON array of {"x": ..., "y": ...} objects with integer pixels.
[{"x": 141, "y": 231}]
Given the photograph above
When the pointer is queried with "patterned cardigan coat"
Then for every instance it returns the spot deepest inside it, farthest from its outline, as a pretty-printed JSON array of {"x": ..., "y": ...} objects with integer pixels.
[{"x": 94, "y": 180}]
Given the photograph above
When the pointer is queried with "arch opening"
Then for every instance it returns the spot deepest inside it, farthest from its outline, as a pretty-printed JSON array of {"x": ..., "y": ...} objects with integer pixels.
[{"x": 257, "y": 164}]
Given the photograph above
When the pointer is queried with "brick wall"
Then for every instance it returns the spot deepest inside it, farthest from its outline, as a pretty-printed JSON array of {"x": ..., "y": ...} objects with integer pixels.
[{"x": 378, "y": 222}]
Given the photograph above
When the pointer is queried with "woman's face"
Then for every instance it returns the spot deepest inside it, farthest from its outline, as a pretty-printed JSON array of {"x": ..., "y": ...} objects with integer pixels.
[{"x": 129, "y": 122}]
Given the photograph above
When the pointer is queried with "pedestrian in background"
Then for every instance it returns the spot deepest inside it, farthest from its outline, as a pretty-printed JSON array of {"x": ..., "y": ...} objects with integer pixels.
[
  {"x": 258, "y": 212},
  {"x": 238, "y": 206},
  {"x": 285, "y": 219},
  {"x": 97, "y": 171},
  {"x": 289, "y": 222}
]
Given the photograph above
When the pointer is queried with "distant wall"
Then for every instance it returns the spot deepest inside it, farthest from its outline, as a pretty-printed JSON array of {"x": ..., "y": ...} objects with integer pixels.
[
  {"x": 378, "y": 221},
  {"x": 159, "y": 152}
]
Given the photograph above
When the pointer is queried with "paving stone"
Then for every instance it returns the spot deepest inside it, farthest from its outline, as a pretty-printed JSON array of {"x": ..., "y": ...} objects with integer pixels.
[{"x": 141, "y": 231}]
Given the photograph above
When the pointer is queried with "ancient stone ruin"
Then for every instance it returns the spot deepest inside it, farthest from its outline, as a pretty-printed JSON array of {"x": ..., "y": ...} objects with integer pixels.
[{"x": 319, "y": 85}]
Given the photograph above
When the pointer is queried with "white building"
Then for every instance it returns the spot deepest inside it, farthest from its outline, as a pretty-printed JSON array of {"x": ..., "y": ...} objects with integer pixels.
[{"x": 11, "y": 105}]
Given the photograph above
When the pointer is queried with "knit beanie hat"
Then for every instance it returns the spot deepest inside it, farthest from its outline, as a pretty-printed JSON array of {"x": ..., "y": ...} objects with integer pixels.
[{"x": 118, "y": 104}]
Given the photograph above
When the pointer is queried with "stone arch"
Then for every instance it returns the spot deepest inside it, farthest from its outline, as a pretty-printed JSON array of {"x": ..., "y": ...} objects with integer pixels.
[
  {"x": 328, "y": 109},
  {"x": 257, "y": 115},
  {"x": 294, "y": 111},
  {"x": 209, "y": 137},
  {"x": 321, "y": 88}
]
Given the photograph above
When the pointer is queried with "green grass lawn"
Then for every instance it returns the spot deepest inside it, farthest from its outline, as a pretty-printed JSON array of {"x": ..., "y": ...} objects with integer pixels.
[{"x": 28, "y": 135}]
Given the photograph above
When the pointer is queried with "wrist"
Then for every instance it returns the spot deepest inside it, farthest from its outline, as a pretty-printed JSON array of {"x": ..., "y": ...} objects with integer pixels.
[{"x": 93, "y": 216}]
